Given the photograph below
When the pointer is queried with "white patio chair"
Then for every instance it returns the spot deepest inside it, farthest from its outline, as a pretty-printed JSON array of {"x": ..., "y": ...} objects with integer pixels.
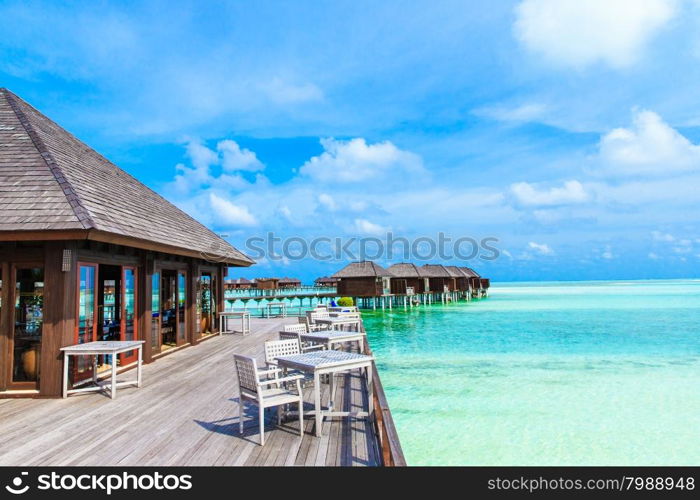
[
  {"x": 257, "y": 391},
  {"x": 312, "y": 316},
  {"x": 295, "y": 332}
]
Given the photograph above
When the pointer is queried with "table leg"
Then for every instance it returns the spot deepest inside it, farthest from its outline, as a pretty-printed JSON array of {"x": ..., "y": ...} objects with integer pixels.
[
  {"x": 317, "y": 403},
  {"x": 94, "y": 369},
  {"x": 331, "y": 388},
  {"x": 138, "y": 367},
  {"x": 65, "y": 374},
  {"x": 114, "y": 376}
]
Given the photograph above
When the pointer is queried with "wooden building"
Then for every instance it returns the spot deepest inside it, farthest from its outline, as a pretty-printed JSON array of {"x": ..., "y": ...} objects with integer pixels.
[
  {"x": 266, "y": 283},
  {"x": 461, "y": 279},
  {"x": 439, "y": 279},
  {"x": 239, "y": 284},
  {"x": 363, "y": 279},
  {"x": 289, "y": 282},
  {"x": 326, "y": 281},
  {"x": 88, "y": 253},
  {"x": 407, "y": 279}
]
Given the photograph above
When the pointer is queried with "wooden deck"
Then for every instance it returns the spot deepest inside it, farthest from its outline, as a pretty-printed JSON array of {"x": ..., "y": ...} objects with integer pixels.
[{"x": 186, "y": 413}]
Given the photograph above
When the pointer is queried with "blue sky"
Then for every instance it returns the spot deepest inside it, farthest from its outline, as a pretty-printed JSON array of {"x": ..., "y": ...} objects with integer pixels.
[{"x": 568, "y": 130}]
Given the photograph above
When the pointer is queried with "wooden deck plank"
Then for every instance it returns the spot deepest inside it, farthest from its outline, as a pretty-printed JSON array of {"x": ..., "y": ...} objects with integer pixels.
[{"x": 185, "y": 414}]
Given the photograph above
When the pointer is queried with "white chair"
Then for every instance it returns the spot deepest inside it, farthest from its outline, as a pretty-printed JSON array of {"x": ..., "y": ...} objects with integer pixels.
[
  {"x": 312, "y": 316},
  {"x": 253, "y": 389},
  {"x": 295, "y": 332}
]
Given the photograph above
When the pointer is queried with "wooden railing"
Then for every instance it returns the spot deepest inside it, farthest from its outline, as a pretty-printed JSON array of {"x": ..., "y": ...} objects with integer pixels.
[{"x": 390, "y": 446}]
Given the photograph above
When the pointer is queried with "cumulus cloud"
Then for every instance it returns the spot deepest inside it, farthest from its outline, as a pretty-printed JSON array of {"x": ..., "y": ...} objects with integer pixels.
[
  {"x": 327, "y": 201},
  {"x": 227, "y": 214},
  {"x": 530, "y": 195},
  {"x": 540, "y": 248},
  {"x": 363, "y": 226},
  {"x": 579, "y": 33},
  {"x": 665, "y": 237},
  {"x": 649, "y": 147},
  {"x": 357, "y": 161},
  {"x": 234, "y": 159}
]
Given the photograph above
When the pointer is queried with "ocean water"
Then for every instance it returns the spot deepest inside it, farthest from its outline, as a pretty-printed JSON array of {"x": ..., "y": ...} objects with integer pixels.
[{"x": 580, "y": 373}]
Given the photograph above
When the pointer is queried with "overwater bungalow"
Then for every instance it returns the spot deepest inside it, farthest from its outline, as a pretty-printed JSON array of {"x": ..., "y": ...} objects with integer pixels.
[
  {"x": 407, "y": 279},
  {"x": 363, "y": 279},
  {"x": 238, "y": 284},
  {"x": 289, "y": 283},
  {"x": 461, "y": 278},
  {"x": 326, "y": 281},
  {"x": 266, "y": 283},
  {"x": 440, "y": 280},
  {"x": 87, "y": 252}
]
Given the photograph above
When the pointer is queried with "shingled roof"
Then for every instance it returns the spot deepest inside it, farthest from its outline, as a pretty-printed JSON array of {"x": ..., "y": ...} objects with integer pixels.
[
  {"x": 363, "y": 269},
  {"x": 435, "y": 271},
  {"x": 51, "y": 182},
  {"x": 469, "y": 272},
  {"x": 454, "y": 271},
  {"x": 405, "y": 270}
]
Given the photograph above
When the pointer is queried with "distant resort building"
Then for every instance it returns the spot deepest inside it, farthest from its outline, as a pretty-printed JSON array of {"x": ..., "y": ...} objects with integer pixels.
[
  {"x": 439, "y": 278},
  {"x": 239, "y": 284},
  {"x": 266, "y": 283},
  {"x": 363, "y": 279},
  {"x": 326, "y": 281},
  {"x": 289, "y": 283},
  {"x": 87, "y": 252},
  {"x": 408, "y": 279}
]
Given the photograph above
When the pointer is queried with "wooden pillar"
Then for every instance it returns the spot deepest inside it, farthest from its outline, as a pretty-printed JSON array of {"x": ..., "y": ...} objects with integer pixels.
[
  {"x": 5, "y": 322},
  {"x": 60, "y": 307}
]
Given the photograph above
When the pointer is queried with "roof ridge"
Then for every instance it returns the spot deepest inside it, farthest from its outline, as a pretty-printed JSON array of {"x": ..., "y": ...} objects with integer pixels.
[{"x": 72, "y": 197}]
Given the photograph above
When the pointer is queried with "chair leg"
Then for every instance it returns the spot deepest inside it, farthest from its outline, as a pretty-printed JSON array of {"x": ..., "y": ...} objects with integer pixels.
[
  {"x": 279, "y": 414},
  {"x": 240, "y": 415},
  {"x": 261, "y": 417}
]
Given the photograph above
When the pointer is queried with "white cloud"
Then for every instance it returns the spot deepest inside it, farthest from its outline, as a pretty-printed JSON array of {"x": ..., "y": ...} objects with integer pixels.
[
  {"x": 607, "y": 253},
  {"x": 579, "y": 33},
  {"x": 284, "y": 92},
  {"x": 653, "y": 256},
  {"x": 659, "y": 236},
  {"x": 570, "y": 192},
  {"x": 363, "y": 226},
  {"x": 541, "y": 248},
  {"x": 327, "y": 201},
  {"x": 518, "y": 114},
  {"x": 234, "y": 159},
  {"x": 226, "y": 213},
  {"x": 650, "y": 147},
  {"x": 357, "y": 161}
]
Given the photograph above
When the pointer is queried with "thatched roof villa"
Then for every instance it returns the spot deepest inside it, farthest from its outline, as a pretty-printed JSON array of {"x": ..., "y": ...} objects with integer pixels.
[
  {"x": 363, "y": 279},
  {"x": 87, "y": 252}
]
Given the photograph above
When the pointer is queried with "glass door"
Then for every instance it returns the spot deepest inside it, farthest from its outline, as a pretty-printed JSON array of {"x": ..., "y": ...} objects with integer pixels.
[
  {"x": 86, "y": 327},
  {"x": 28, "y": 319},
  {"x": 181, "y": 307},
  {"x": 129, "y": 327},
  {"x": 155, "y": 313}
]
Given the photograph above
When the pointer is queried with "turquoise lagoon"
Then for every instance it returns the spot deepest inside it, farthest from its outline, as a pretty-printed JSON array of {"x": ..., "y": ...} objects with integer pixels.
[{"x": 585, "y": 373}]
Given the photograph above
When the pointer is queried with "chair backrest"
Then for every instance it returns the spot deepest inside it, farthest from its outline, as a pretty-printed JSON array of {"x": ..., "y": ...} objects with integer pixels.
[
  {"x": 276, "y": 348},
  {"x": 313, "y": 316},
  {"x": 321, "y": 307},
  {"x": 298, "y": 328},
  {"x": 247, "y": 369}
]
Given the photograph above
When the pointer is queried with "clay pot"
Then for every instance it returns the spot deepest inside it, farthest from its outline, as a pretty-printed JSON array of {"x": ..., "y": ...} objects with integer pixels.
[{"x": 30, "y": 362}]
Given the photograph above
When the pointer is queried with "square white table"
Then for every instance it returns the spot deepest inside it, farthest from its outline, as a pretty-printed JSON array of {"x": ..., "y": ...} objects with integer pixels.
[
  {"x": 321, "y": 362},
  {"x": 331, "y": 337},
  {"x": 102, "y": 348},
  {"x": 281, "y": 307},
  {"x": 245, "y": 321},
  {"x": 340, "y": 321}
]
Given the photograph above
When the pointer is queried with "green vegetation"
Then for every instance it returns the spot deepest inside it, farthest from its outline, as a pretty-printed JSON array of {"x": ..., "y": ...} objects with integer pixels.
[{"x": 345, "y": 302}]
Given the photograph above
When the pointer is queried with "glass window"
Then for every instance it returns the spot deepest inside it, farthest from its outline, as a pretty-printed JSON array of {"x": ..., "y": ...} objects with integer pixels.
[
  {"x": 181, "y": 305},
  {"x": 29, "y": 320},
  {"x": 155, "y": 310}
]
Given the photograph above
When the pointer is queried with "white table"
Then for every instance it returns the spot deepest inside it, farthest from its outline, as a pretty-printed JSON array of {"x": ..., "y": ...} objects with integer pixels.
[
  {"x": 340, "y": 321},
  {"x": 245, "y": 321},
  {"x": 99, "y": 348},
  {"x": 330, "y": 362},
  {"x": 281, "y": 306},
  {"x": 331, "y": 337}
]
